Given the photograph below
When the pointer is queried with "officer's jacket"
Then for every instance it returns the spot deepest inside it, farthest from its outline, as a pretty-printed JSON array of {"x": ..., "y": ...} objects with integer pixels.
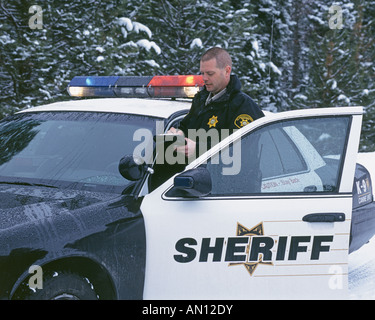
[{"x": 233, "y": 110}]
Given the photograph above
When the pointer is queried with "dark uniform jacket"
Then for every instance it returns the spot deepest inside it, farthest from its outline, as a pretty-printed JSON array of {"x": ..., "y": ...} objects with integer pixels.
[{"x": 232, "y": 110}]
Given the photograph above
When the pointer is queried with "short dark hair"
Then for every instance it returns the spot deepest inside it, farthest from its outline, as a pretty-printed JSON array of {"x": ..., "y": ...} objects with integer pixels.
[{"x": 222, "y": 57}]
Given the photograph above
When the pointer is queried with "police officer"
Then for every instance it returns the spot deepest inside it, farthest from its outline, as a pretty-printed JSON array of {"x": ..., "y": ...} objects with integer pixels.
[{"x": 220, "y": 105}]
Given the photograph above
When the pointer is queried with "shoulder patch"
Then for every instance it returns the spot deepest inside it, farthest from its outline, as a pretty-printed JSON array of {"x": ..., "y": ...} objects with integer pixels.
[{"x": 242, "y": 120}]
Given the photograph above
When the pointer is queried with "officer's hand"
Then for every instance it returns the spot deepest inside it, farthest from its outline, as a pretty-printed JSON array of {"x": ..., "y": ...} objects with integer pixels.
[
  {"x": 175, "y": 131},
  {"x": 188, "y": 149}
]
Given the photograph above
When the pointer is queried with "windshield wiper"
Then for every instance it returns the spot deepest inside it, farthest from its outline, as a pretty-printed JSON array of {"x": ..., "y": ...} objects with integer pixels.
[{"x": 29, "y": 184}]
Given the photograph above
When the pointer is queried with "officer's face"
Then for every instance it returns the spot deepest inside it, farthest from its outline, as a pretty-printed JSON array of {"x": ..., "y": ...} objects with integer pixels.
[{"x": 215, "y": 79}]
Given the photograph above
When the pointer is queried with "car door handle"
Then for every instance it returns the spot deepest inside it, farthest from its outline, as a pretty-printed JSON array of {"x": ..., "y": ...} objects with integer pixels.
[{"x": 324, "y": 217}]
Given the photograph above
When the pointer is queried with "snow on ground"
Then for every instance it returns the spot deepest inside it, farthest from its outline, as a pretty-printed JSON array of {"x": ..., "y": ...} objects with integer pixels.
[{"x": 362, "y": 272}]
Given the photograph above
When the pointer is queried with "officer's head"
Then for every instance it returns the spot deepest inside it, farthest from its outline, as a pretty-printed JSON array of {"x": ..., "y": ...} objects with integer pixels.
[{"x": 215, "y": 67}]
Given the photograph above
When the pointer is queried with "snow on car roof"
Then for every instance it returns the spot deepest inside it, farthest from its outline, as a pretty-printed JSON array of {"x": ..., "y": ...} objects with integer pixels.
[{"x": 162, "y": 108}]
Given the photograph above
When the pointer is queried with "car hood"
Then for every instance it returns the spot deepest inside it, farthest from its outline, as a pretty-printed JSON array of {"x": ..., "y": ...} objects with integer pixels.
[{"x": 25, "y": 204}]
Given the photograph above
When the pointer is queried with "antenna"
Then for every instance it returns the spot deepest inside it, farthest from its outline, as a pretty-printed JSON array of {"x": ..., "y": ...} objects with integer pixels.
[{"x": 270, "y": 54}]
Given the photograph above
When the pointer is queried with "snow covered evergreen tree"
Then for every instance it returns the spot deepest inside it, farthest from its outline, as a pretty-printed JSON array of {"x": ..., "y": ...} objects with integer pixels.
[
  {"x": 330, "y": 55},
  {"x": 77, "y": 38},
  {"x": 183, "y": 30},
  {"x": 186, "y": 29},
  {"x": 19, "y": 54},
  {"x": 288, "y": 54},
  {"x": 273, "y": 21},
  {"x": 249, "y": 53},
  {"x": 365, "y": 62},
  {"x": 341, "y": 51}
]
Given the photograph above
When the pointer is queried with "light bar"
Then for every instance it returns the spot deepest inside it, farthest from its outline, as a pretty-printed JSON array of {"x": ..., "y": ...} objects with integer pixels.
[{"x": 181, "y": 86}]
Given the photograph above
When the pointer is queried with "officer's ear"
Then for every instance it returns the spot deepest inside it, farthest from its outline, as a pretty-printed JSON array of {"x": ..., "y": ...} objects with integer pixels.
[{"x": 228, "y": 70}]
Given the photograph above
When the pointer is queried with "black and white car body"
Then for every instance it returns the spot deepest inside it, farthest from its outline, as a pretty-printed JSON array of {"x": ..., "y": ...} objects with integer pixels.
[{"x": 272, "y": 211}]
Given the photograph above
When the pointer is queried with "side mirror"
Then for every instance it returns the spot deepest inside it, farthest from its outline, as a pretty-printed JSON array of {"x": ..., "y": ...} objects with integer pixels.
[
  {"x": 133, "y": 168},
  {"x": 192, "y": 183}
]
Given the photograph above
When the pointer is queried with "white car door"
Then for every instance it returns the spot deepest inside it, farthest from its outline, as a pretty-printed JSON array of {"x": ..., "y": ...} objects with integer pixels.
[{"x": 276, "y": 223}]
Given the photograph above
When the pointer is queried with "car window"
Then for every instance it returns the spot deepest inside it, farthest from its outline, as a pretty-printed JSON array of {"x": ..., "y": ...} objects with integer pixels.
[
  {"x": 79, "y": 150},
  {"x": 279, "y": 156},
  {"x": 299, "y": 156}
]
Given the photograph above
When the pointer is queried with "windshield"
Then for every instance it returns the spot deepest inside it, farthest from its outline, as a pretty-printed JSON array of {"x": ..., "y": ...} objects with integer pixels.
[{"x": 79, "y": 150}]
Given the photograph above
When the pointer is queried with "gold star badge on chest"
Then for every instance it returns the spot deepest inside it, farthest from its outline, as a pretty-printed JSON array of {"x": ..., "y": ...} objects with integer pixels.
[{"x": 212, "y": 121}]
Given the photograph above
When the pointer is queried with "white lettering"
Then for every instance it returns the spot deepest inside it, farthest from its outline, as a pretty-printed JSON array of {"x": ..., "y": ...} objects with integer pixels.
[
  {"x": 336, "y": 280},
  {"x": 159, "y": 310},
  {"x": 143, "y": 150},
  {"x": 36, "y": 280},
  {"x": 166, "y": 153},
  {"x": 233, "y": 162},
  {"x": 335, "y": 22},
  {"x": 209, "y": 309},
  {"x": 36, "y": 21}
]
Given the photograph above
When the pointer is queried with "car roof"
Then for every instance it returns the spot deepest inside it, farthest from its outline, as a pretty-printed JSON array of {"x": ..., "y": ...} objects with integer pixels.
[{"x": 161, "y": 108}]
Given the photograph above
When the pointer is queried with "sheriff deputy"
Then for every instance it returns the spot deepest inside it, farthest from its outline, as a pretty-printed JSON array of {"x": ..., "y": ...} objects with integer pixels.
[{"x": 220, "y": 105}]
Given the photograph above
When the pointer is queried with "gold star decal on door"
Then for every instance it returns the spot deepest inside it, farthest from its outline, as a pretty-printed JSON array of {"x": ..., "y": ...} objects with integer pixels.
[{"x": 242, "y": 231}]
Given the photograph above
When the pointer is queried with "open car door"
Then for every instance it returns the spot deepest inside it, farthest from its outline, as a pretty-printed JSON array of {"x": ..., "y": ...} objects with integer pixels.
[{"x": 265, "y": 214}]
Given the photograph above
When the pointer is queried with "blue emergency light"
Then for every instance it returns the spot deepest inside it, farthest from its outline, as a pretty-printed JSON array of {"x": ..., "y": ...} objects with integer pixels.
[{"x": 181, "y": 86}]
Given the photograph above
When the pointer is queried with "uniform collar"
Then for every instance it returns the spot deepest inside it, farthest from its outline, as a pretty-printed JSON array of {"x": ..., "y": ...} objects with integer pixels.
[
  {"x": 215, "y": 97},
  {"x": 233, "y": 86}
]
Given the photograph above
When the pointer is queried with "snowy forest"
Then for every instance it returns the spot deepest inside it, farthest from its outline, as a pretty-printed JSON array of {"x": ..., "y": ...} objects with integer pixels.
[{"x": 288, "y": 54}]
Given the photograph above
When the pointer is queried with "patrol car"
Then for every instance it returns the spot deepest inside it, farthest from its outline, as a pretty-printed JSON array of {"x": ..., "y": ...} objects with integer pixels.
[{"x": 89, "y": 212}]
